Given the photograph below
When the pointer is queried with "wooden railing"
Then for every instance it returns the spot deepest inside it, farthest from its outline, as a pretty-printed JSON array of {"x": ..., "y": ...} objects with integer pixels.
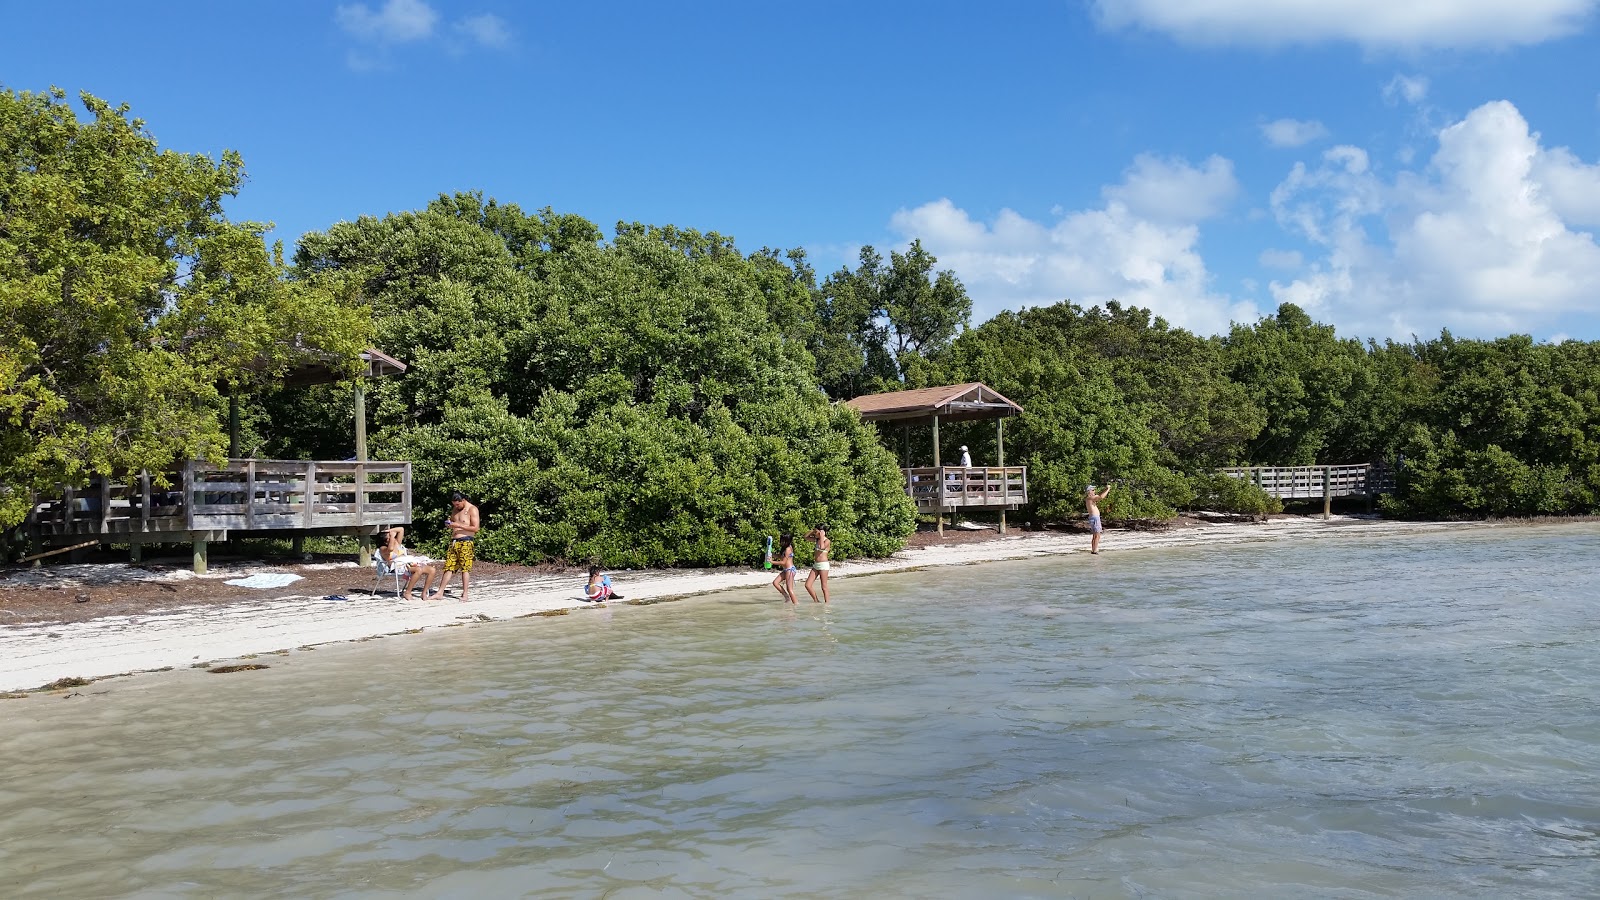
[
  {"x": 943, "y": 487},
  {"x": 1315, "y": 482},
  {"x": 240, "y": 494}
]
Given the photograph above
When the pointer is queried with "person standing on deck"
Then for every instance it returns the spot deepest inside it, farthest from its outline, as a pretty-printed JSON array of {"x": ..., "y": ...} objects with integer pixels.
[
  {"x": 966, "y": 458},
  {"x": 1092, "y": 501},
  {"x": 819, "y": 565},
  {"x": 464, "y": 527}
]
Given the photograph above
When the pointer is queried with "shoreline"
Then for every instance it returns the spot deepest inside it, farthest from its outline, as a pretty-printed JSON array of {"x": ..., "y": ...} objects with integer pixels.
[{"x": 40, "y": 657}]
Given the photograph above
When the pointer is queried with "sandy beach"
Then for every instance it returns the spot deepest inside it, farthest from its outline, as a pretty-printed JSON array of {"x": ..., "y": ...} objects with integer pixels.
[{"x": 38, "y": 650}]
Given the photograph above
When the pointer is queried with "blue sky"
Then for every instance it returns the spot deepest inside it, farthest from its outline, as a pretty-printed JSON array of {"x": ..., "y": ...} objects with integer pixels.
[{"x": 1393, "y": 167}]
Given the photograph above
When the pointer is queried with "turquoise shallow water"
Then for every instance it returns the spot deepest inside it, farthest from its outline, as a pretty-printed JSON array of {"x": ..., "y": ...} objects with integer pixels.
[{"x": 1360, "y": 715}]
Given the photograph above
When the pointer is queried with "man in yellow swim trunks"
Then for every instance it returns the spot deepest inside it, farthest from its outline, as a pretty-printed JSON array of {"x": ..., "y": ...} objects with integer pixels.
[{"x": 464, "y": 527}]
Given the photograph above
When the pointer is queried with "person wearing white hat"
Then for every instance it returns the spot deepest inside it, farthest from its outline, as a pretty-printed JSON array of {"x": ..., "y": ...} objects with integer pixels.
[{"x": 966, "y": 458}]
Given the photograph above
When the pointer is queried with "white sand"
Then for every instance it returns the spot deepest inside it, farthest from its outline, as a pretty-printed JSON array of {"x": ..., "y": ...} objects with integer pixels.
[{"x": 32, "y": 655}]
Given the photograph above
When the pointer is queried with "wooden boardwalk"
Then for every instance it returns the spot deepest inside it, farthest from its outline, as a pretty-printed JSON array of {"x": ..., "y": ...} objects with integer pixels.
[
  {"x": 1317, "y": 482},
  {"x": 204, "y": 502}
]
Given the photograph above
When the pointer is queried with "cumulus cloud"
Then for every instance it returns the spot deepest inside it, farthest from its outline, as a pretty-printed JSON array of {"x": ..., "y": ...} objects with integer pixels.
[
  {"x": 487, "y": 30},
  {"x": 402, "y": 22},
  {"x": 396, "y": 22},
  {"x": 1141, "y": 247},
  {"x": 1371, "y": 23},
  {"x": 1281, "y": 259},
  {"x": 1412, "y": 89},
  {"x": 1293, "y": 132},
  {"x": 1480, "y": 240}
]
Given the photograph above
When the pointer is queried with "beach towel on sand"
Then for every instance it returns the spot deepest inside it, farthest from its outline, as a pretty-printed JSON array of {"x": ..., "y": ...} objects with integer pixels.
[{"x": 265, "y": 580}]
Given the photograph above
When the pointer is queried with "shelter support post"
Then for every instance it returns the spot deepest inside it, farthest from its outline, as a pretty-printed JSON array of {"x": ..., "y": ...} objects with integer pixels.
[
  {"x": 200, "y": 556},
  {"x": 233, "y": 426},
  {"x": 364, "y": 542},
  {"x": 939, "y": 468},
  {"x": 1000, "y": 460},
  {"x": 361, "y": 420}
]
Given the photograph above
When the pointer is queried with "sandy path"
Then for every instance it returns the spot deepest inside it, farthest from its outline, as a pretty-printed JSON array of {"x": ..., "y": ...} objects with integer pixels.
[{"x": 32, "y": 655}]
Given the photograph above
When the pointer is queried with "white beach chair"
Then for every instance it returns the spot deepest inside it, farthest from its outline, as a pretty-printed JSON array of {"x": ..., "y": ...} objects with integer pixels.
[{"x": 382, "y": 569}]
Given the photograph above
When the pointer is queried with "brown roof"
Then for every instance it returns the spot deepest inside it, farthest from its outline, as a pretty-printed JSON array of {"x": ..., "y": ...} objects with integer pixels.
[
  {"x": 318, "y": 370},
  {"x": 955, "y": 402}
]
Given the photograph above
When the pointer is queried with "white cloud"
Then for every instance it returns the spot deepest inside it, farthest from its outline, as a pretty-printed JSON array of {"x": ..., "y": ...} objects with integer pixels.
[
  {"x": 1281, "y": 259},
  {"x": 1171, "y": 190},
  {"x": 1412, "y": 89},
  {"x": 1293, "y": 132},
  {"x": 1139, "y": 248},
  {"x": 396, "y": 22},
  {"x": 487, "y": 30},
  {"x": 413, "y": 22},
  {"x": 1477, "y": 241},
  {"x": 1371, "y": 23}
]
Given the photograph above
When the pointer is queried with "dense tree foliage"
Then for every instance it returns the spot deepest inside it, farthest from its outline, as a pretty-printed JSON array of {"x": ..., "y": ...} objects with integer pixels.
[
  {"x": 660, "y": 397},
  {"x": 1109, "y": 394},
  {"x": 1509, "y": 427},
  {"x": 129, "y": 302},
  {"x": 644, "y": 401}
]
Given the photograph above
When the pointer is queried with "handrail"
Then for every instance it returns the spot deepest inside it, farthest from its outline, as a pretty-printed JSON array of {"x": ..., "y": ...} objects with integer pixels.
[
  {"x": 242, "y": 494},
  {"x": 943, "y": 487}
]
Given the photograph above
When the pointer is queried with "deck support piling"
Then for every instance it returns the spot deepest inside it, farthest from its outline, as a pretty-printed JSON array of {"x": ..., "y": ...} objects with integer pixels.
[
  {"x": 135, "y": 553},
  {"x": 1327, "y": 492},
  {"x": 200, "y": 556}
]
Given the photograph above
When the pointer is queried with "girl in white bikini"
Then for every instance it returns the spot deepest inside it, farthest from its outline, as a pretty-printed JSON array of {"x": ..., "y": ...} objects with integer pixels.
[{"x": 819, "y": 566}]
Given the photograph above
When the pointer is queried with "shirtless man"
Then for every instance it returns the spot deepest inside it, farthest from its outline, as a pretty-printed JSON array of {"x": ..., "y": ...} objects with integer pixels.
[
  {"x": 1092, "y": 501},
  {"x": 463, "y": 525},
  {"x": 819, "y": 566}
]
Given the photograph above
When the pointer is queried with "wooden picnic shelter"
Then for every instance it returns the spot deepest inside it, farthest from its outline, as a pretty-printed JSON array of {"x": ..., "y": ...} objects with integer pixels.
[
  {"x": 201, "y": 501},
  {"x": 940, "y": 488}
]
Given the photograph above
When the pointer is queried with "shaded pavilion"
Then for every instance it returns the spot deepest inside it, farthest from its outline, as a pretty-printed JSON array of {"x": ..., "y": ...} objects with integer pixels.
[
  {"x": 201, "y": 502},
  {"x": 939, "y": 488}
]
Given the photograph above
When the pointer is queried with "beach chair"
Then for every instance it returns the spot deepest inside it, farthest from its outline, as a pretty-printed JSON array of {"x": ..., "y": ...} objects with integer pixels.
[{"x": 382, "y": 569}]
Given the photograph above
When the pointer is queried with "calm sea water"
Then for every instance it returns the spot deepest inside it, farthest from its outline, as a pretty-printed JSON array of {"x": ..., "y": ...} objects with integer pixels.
[{"x": 1356, "y": 716}]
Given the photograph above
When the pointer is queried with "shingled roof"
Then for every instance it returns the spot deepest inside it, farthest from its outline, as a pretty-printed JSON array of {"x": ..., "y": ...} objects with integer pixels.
[{"x": 951, "y": 403}]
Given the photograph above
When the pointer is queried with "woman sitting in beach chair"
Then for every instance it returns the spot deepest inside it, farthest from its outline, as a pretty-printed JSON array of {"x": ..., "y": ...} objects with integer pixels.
[{"x": 395, "y": 559}]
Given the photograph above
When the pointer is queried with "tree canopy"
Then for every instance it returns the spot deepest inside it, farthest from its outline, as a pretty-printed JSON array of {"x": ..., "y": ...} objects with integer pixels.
[
  {"x": 129, "y": 301},
  {"x": 644, "y": 401},
  {"x": 662, "y": 397}
]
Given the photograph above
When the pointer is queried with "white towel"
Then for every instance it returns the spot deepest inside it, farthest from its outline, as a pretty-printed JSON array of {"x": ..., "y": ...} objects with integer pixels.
[{"x": 265, "y": 580}]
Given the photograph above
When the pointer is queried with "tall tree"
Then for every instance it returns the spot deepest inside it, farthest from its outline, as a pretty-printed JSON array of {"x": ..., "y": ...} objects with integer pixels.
[
  {"x": 646, "y": 401},
  {"x": 877, "y": 325},
  {"x": 129, "y": 301}
]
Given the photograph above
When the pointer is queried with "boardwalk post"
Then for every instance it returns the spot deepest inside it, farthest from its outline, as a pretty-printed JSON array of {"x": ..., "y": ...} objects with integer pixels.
[
  {"x": 1327, "y": 492},
  {"x": 199, "y": 556}
]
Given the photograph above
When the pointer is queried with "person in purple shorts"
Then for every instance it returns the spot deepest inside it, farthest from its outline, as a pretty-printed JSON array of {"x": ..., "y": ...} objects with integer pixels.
[{"x": 1091, "y": 499}]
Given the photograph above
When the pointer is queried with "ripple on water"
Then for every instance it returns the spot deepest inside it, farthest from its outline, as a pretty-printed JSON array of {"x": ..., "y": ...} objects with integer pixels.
[{"x": 1359, "y": 717}]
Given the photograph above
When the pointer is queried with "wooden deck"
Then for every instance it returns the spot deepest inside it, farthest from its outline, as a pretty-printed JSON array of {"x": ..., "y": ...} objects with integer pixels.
[
  {"x": 205, "y": 502},
  {"x": 1315, "y": 482},
  {"x": 937, "y": 488}
]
